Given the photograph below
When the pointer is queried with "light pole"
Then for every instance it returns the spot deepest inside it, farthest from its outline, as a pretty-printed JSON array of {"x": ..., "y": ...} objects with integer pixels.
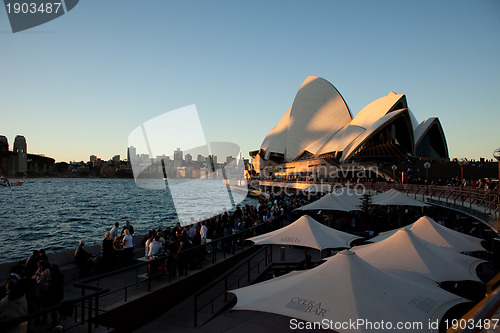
[
  {"x": 427, "y": 165},
  {"x": 462, "y": 161},
  {"x": 394, "y": 168},
  {"x": 496, "y": 155}
]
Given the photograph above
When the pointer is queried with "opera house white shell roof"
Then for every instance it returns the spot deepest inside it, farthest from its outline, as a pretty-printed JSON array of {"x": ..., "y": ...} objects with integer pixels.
[{"x": 320, "y": 124}]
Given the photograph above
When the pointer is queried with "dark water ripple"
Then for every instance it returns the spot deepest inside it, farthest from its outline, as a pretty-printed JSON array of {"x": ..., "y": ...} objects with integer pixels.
[{"x": 55, "y": 214}]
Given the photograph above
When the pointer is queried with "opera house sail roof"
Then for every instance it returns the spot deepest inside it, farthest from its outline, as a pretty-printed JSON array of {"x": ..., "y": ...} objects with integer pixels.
[{"x": 320, "y": 125}]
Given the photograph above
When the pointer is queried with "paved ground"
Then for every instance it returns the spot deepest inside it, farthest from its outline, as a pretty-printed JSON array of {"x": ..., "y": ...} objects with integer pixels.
[{"x": 181, "y": 318}]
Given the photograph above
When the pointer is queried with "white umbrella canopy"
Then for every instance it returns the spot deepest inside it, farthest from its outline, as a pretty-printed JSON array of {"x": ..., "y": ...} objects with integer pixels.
[
  {"x": 395, "y": 198},
  {"x": 404, "y": 252},
  {"x": 315, "y": 188},
  {"x": 307, "y": 232},
  {"x": 432, "y": 232},
  {"x": 345, "y": 289},
  {"x": 334, "y": 201}
]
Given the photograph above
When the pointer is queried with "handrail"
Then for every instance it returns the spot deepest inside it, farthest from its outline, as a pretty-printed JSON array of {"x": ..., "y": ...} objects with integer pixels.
[
  {"x": 232, "y": 271},
  {"x": 488, "y": 201},
  {"x": 485, "y": 309},
  {"x": 491, "y": 284},
  {"x": 85, "y": 283},
  {"x": 73, "y": 302},
  {"x": 224, "y": 278},
  {"x": 238, "y": 238}
]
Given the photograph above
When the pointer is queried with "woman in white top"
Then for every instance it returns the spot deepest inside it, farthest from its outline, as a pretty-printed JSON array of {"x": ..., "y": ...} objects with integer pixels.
[
  {"x": 128, "y": 246},
  {"x": 154, "y": 247},
  {"x": 127, "y": 240}
]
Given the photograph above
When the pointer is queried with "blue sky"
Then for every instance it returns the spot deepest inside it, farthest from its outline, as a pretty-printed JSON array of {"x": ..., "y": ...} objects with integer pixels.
[{"x": 80, "y": 84}]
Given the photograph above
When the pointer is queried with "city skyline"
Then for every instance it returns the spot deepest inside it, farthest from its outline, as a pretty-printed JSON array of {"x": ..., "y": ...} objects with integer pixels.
[
  {"x": 75, "y": 90},
  {"x": 176, "y": 154}
]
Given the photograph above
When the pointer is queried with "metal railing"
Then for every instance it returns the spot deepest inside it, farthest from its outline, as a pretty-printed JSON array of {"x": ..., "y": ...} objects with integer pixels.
[
  {"x": 86, "y": 309},
  {"x": 486, "y": 202},
  {"x": 241, "y": 272},
  {"x": 480, "y": 315},
  {"x": 218, "y": 249},
  {"x": 87, "y": 304}
]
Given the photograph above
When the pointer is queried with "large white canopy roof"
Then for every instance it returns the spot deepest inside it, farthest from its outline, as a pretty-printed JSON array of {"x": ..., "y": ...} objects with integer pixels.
[
  {"x": 395, "y": 198},
  {"x": 335, "y": 201},
  {"x": 430, "y": 231},
  {"x": 404, "y": 252},
  {"x": 347, "y": 288},
  {"x": 307, "y": 232}
]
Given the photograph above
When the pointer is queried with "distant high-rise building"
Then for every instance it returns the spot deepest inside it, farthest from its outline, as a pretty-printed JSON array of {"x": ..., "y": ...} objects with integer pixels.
[
  {"x": 144, "y": 158},
  {"x": 116, "y": 160},
  {"x": 168, "y": 162},
  {"x": 93, "y": 159},
  {"x": 189, "y": 159},
  {"x": 229, "y": 159},
  {"x": 131, "y": 153},
  {"x": 200, "y": 159},
  {"x": 178, "y": 158},
  {"x": 178, "y": 155}
]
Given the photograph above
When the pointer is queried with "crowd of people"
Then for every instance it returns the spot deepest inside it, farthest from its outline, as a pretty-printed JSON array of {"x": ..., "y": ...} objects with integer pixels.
[
  {"x": 173, "y": 241},
  {"x": 36, "y": 284},
  {"x": 485, "y": 184},
  {"x": 32, "y": 285},
  {"x": 116, "y": 242},
  {"x": 117, "y": 247}
]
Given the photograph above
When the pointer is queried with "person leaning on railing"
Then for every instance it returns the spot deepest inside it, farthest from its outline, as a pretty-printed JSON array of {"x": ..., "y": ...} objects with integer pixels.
[
  {"x": 83, "y": 259},
  {"x": 107, "y": 252},
  {"x": 172, "y": 250},
  {"x": 128, "y": 247}
]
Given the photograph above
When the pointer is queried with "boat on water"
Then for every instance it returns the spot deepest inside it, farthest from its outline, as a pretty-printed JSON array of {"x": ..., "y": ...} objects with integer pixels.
[{"x": 6, "y": 182}]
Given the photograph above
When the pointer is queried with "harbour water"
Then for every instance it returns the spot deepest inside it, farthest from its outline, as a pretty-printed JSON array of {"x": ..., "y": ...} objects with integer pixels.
[{"x": 54, "y": 214}]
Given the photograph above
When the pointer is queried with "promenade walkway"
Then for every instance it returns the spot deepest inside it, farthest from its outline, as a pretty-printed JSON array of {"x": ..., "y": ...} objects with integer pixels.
[
  {"x": 181, "y": 317},
  {"x": 131, "y": 292}
]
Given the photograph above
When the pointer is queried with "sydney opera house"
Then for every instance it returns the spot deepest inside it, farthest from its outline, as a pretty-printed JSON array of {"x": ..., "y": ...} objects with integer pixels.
[{"x": 319, "y": 129}]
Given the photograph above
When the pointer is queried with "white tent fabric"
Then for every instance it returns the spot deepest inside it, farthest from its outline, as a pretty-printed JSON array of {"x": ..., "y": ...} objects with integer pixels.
[
  {"x": 321, "y": 188},
  {"x": 334, "y": 201},
  {"x": 405, "y": 252},
  {"x": 395, "y": 198},
  {"x": 307, "y": 232},
  {"x": 432, "y": 232},
  {"x": 344, "y": 289}
]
